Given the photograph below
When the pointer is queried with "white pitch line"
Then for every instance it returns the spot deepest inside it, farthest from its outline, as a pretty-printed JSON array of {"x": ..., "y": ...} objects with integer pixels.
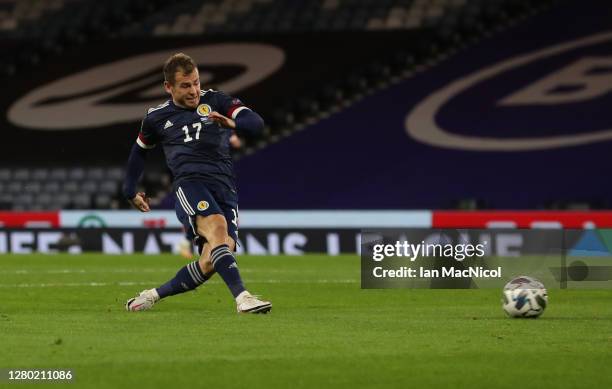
[
  {"x": 85, "y": 271},
  {"x": 68, "y": 284},
  {"x": 143, "y": 270},
  {"x": 133, "y": 283}
]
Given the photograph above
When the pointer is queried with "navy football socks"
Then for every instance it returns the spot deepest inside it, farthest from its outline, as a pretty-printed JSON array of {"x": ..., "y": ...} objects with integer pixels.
[
  {"x": 186, "y": 279},
  {"x": 191, "y": 276},
  {"x": 224, "y": 263}
]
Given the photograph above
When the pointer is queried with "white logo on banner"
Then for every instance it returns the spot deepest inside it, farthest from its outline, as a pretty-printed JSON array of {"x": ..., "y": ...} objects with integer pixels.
[
  {"x": 92, "y": 87},
  {"x": 578, "y": 82},
  {"x": 581, "y": 81}
]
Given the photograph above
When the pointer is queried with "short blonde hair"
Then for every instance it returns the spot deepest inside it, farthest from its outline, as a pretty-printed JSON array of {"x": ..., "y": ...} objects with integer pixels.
[{"x": 178, "y": 62}]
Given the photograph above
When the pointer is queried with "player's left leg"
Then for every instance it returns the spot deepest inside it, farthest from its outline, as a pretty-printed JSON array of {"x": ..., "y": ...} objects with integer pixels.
[
  {"x": 228, "y": 202},
  {"x": 214, "y": 228}
]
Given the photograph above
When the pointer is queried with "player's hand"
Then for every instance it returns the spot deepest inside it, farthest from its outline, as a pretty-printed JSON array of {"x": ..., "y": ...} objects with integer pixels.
[
  {"x": 235, "y": 141},
  {"x": 223, "y": 121},
  {"x": 141, "y": 202}
]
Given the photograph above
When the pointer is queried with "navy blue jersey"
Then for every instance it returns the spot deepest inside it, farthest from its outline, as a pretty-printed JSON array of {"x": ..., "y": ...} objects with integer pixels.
[{"x": 194, "y": 146}]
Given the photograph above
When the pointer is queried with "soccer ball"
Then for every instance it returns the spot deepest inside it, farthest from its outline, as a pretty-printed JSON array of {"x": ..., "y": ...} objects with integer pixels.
[{"x": 524, "y": 296}]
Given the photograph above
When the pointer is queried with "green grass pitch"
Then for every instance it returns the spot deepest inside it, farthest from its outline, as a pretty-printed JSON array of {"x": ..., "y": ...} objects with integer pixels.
[{"x": 324, "y": 331}]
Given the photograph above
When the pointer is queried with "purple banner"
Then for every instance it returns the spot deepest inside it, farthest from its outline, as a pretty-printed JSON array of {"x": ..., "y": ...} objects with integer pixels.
[{"x": 519, "y": 120}]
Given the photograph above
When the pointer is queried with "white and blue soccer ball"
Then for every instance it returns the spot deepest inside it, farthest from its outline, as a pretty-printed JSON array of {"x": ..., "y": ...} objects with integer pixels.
[{"x": 524, "y": 296}]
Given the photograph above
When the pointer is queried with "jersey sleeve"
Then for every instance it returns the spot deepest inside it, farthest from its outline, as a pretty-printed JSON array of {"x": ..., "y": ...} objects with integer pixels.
[
  {"x": 147, "y": 138},
  {"x": 229, "y": 106}
]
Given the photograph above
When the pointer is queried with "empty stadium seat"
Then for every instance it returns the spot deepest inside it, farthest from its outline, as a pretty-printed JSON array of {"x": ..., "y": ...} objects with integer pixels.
[
  {"x": 244, "y": 16},
  {"x": 41, "y": 188},
  {"x": 5, "y": 174}
]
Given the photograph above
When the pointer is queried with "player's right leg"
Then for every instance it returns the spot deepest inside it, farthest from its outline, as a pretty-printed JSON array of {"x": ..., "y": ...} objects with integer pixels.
[
  {"x": 143, "y": 301},
  {"x": 189, "y": 276}
]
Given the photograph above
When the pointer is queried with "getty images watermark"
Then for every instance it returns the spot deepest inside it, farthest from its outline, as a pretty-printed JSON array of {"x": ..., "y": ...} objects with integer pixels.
[
  {"x": 411, "y": 252},
  {"x": 425, "y": 258},
  {"x": 485, "y": 258}
]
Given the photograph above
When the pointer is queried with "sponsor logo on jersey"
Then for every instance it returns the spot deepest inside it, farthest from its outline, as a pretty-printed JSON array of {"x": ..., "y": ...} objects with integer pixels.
[
  {"x": 168, "y": 124},
  {"x": 204, "y": 110},
  {"x": 203, "y": 205}
]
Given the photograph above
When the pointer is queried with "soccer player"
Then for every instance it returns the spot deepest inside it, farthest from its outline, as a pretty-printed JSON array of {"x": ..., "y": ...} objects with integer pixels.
[
  {"x": 185, "y": 246},
  {"x": 194, "y": 128}
]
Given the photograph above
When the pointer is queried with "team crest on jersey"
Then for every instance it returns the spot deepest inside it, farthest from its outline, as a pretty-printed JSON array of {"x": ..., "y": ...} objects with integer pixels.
[
  {"x": 204, "y": 109},
  {"x": 202, "y": 205}
]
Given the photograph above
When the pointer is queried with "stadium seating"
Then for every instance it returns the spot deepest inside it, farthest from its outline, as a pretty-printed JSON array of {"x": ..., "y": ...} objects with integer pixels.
[
  {"x": 14, "y": 13},
  {"x": 59, "y": 188},
  {"x": 270, "y": 16},
  {"x": 54, "y": 25},
  {"x": 35, "y": 30}
]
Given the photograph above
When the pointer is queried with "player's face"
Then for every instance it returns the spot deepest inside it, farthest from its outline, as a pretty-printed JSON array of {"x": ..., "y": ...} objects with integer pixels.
[{"x": 186, "y": 89}]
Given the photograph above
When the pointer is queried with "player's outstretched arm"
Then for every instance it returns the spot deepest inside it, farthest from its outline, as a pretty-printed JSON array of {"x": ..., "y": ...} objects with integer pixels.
[
  {"x": 133, "y": 171},
  {"x": 141, "y": 202}
]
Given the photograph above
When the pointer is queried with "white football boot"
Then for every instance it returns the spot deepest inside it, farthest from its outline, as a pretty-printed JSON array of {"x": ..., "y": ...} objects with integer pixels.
[
  {"x": 247, "y": 303},
  {"x": 143, "y": 301}
]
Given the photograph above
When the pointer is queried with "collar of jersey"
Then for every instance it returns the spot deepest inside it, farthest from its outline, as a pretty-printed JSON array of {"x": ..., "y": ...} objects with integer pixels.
[{"x": 179, "y": 107}]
